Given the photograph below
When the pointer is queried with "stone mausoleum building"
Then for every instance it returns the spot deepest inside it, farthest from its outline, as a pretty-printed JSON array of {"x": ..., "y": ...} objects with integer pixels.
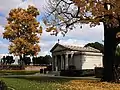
[{"x": 81, "y": 58}]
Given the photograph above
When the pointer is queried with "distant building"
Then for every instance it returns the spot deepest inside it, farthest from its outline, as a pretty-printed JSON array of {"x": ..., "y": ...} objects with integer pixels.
[{"x": 81, "y": 58}]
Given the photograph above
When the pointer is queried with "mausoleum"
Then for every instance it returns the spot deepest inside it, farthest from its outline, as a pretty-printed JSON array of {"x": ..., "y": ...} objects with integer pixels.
[{"x": 81, "y": 58}]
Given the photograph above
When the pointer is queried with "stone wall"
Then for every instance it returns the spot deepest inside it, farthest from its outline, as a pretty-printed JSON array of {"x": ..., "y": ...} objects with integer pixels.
[
  {"x": 34, "y": 68},
  {"x": 11, "y": 67},
  {"x": 17, "y": 67}
]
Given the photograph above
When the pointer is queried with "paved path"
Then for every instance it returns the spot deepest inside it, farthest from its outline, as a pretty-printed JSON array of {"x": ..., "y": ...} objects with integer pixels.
[{"x": 52, "y": 76}]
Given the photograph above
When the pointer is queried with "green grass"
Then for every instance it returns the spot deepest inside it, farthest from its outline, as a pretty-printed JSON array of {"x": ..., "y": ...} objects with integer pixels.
[
  {"x": 17, "y": 72},
  {"x": 32, "y": 83},
  {"x": 48, "y": 83}
]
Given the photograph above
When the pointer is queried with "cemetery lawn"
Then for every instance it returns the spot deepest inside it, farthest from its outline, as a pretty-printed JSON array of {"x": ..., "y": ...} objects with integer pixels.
[{"x": 42, "y": 83}]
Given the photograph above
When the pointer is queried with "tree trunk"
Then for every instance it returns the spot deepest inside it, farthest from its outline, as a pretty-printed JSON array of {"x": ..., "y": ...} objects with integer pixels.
[
  {"x": 109, "y": 54},
  {"x": 20, "y": 60}
]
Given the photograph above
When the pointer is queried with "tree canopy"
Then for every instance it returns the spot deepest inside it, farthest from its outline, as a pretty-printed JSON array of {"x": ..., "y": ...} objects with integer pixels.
[
  {"x": 64, "y": 14},
  {"x": 100, "y": 47},
  {"x": 7, "y": 60},
  {"x": 42, "y": 60},
  {"x": 23, "y": 31},
  {"x": 96, "y": 45}
]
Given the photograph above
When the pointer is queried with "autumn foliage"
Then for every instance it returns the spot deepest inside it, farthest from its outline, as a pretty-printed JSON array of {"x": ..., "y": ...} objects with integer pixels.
[
  {"x": 87, "y": 85},
  {"x": 23, "y": 31},
  {"x": 65, "y": 14}
]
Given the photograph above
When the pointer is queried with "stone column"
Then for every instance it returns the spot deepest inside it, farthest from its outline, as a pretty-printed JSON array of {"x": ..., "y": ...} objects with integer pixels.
[
  {"x": 72, "y": 61},
  {"x": 62, "y": 62},
  {"x": 56, "y": 65},
  {"x": 69, "y": 59},
  {"x": 66, "y": 61},
  {"x": 53, "y": 63}
]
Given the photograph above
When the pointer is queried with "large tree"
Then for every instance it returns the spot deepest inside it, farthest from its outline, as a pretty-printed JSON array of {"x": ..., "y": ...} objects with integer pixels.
[
  {"x": 23, "y": 31},
  {"x": 42, "y": 60},
  {"x": 63, "y": 15},
  {"x": 96, "y": 45}
]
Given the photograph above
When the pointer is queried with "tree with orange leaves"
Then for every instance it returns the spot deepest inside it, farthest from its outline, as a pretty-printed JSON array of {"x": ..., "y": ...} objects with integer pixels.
[
  {"x": 23, "y": 31},
  {"x": 65, "y": 14}
]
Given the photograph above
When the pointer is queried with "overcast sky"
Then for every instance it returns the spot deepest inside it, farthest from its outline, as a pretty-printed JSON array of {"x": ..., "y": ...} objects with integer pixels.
[{"x": 77, "y": 36}]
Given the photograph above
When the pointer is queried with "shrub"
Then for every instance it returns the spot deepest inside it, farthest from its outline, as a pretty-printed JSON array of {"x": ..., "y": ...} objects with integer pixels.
[
  {"x": 49, "y": 68},
  {"x": 88, "y": 72},
  {"x": 72, "y": 67},
  {"x": 3, "y": 86},
  {"x": 98, "y": 72},
  {"x": 41, "y": 70}
]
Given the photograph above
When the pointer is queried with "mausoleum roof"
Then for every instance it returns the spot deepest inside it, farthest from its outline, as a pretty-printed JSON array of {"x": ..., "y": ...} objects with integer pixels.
[{"x": 74, "y": 48}]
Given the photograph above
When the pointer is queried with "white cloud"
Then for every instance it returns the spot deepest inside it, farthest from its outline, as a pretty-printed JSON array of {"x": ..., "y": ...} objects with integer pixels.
[
  {"x": 41, "y": 4},
  {"x": 87, "y": 33},
  {"x": 43, "y": 53},
  {"x": 5, "y": 7},
  {"x": 2, "y": 21},
  {"x": 73, "y": 42},
  {"x": 3, "y": 45},
  {"x": 1, "y": 30},
  {"x": 26, "y": 3}
]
